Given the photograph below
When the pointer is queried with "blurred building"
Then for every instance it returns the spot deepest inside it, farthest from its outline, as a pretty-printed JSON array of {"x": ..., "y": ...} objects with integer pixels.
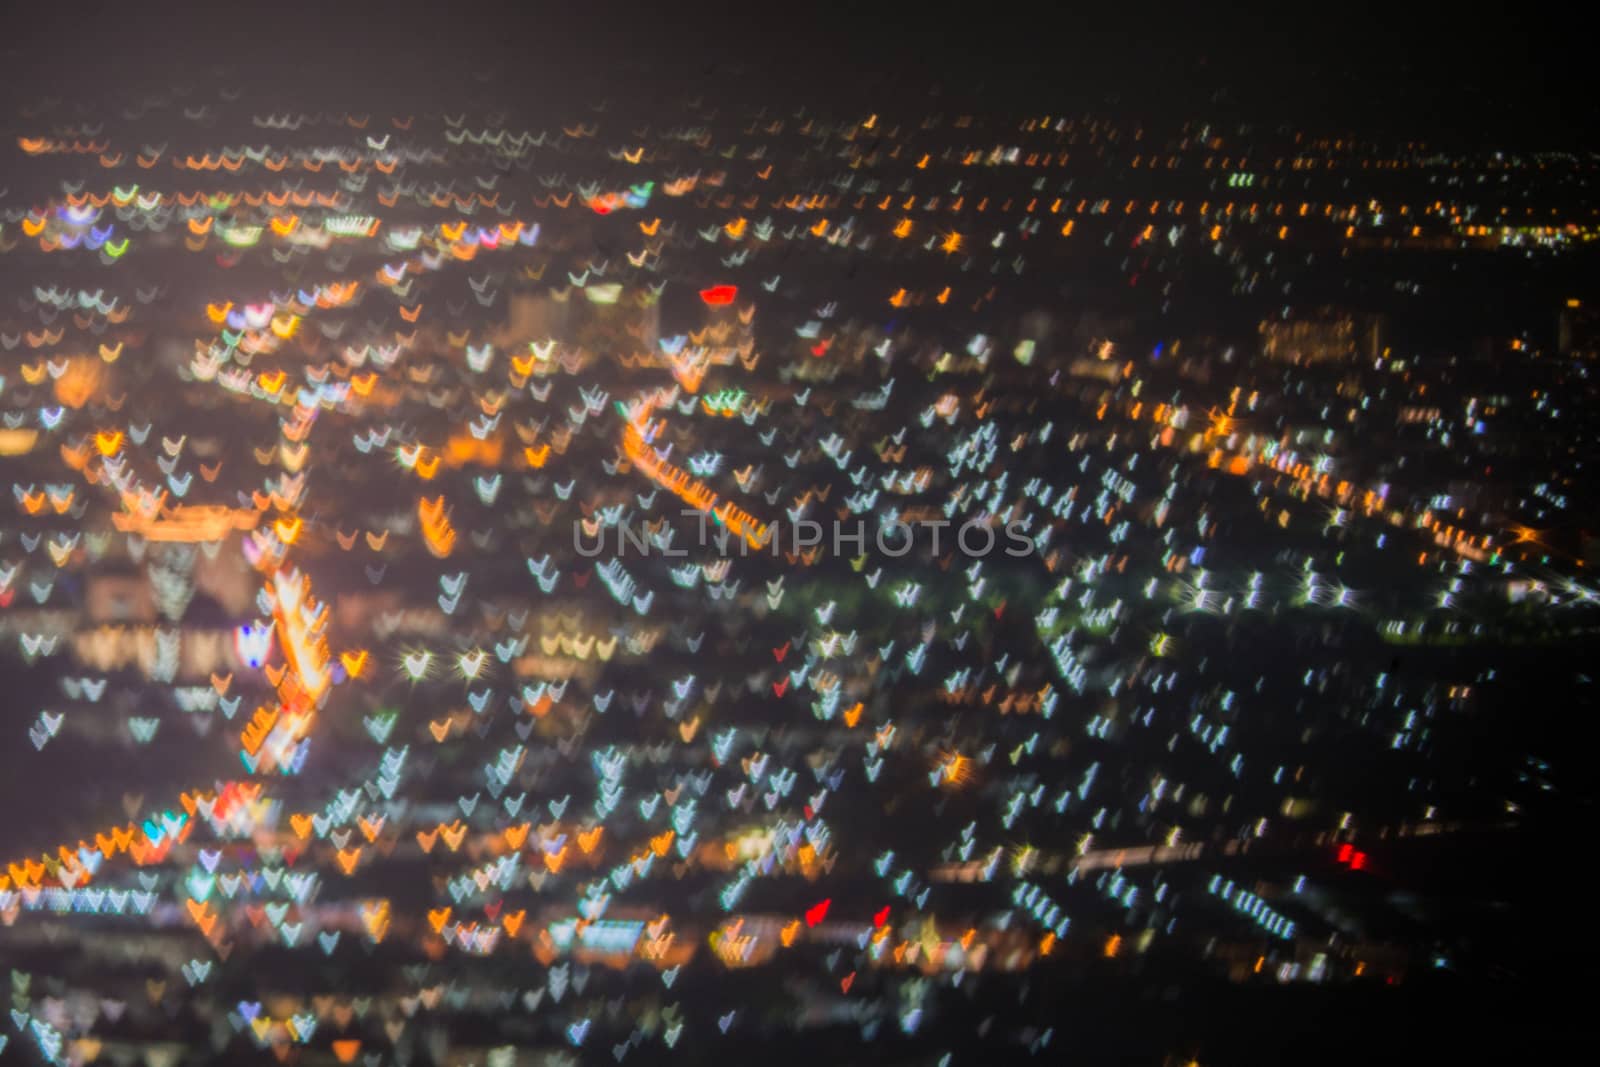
[
  {"x": 610, "y": 315},
  {"x": 1578, "y": 329},
  {"x": 119, "y": 596},
  {"x": 534, "y": 317},
  {"x": 597, "y": 313},
  {"x": 1321, "y": 336},
  {"x": 731, "y": 323}
]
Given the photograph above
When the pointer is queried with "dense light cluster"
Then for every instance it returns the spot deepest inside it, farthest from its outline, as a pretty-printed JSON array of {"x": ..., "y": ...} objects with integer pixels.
[{"x": 297, "y": 567}]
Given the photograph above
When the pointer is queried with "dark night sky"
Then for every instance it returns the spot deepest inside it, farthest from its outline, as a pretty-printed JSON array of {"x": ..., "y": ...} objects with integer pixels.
[{"x": 1438, "y": 72}]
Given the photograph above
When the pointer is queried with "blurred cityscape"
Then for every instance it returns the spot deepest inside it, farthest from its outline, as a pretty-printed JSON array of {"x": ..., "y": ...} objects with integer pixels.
[{"x": 334, "y": 739}]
